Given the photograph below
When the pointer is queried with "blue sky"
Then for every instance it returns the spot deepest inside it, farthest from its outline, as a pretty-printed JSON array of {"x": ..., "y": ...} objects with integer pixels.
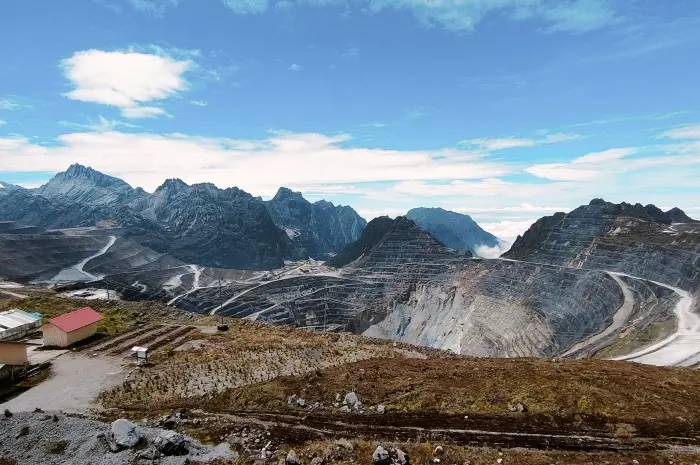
[{"x": 503, "y": 109}]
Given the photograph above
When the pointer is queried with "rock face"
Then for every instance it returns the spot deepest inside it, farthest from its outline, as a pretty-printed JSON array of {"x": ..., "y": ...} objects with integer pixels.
[
  {"x": 455, "y": 230},
  {"x": 372, "y": 234},
  {"x": 201, "y": 224},
  {"x": 642, "y": 241},
  {"x": 171, "y": 443},
  {"x": 125, "y": 433},
  {"x": 85, "y": 185},
  {"x": 317, "y": 229}
]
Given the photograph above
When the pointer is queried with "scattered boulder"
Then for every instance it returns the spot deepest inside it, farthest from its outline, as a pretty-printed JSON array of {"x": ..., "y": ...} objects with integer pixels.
[
  {"x": 345, "y": 409},
  {"x": 125, "y": 433},
  {"x": 381, "y": 456},
  {"x": 381, "y": 409},
  {"x": 8, "y": 414},
  {"x": 393, "y": 456},
  {"x": 171, "y": 443},
  {"x": 344, "y": 444},
  {"x": 292, "y": 458},
  {"x": 24, "y": 431},
  {"x": 317, "y": 461},
  {"x": 149, "y": 454},
  {"x": 351, "y": 399},
  {"x": 438, "y": 450},
  {"x": 522, "y": 407}
]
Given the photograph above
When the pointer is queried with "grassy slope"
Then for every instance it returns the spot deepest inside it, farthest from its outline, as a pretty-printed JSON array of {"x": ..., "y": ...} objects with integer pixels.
[{"x": 615, "y": 390}]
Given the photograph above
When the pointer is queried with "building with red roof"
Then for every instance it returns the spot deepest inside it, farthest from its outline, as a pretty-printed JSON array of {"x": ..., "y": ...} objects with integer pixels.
[{"x": 66, "y": 330}]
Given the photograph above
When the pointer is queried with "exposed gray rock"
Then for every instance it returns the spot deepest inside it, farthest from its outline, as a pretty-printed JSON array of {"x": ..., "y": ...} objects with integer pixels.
[
  {"x": 317, "y": 461},
  {"x": 344, "y": 444},
  {"x": 381, "y": 409},
  {"x": 381, "y": 456},
  {"x": 125, "y": 433},
  {"x": 171, "y": 443},
  {"x": 292, "y": 458}
]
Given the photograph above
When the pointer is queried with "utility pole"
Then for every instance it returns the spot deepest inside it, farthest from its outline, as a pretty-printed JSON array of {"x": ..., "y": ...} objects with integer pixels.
[
  {"x": 107, "y": 282},
  {"x": 221, "y": 303}
]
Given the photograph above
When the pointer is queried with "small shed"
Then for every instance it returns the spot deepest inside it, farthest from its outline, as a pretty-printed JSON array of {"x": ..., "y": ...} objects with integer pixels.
[
  {"x": 13, "y": 353},
  {"x": 15, "y": 324},
  {"x": 72, "y": 327}
]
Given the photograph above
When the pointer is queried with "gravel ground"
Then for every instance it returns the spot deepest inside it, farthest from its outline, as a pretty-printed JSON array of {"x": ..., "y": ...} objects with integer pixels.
[
  {"x": 72, "y": 439},
  {"x": 74, "y": 385}
]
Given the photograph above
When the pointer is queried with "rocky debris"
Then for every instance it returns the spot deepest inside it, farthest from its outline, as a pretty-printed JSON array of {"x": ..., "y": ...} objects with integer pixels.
[
  {"x": 317, "y": 461},
  {"x": 171, "y": 443},
  {"x": 292, "y": 458},
  {"x": 438, "y": 450},
  {"x": 8, "y": 414},
  {"x": 381, "y": 409},
  {"x": 381, "y": 456},
  {"x": 353, "y": 403},
  {"x": 392, "y": 456},
  {"x": 125, "y": 433},
  {"x": 77, "y": 440},
  {"x": 344, "y": 444},
  {"x": 254, "y": 440}
]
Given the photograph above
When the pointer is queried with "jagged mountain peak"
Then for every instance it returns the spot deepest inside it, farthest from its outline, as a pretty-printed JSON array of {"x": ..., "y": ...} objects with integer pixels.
[
  {"x": 78, "y": 171},
  {"x": 599, "y": 207},
  {"x": 86, "y": 185},
  {"x": 285, "y": 193},
  {"x": 679, "y": 216},
  {"x": 176, "y": 184}
]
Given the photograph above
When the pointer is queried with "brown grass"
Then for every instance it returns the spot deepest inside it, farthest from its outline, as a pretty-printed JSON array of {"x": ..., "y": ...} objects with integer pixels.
[
  {"x": 422, "y": 454},
  {"x": 615, "y": 390},
  {"x": 246, "y": 354}
]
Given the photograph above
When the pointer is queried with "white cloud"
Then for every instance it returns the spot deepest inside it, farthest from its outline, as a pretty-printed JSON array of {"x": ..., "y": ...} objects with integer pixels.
[
  {"x": 562, "y": 172},
  {"x": 199, "y": 103},
  {"x": 684, "y": 132},
  {"x": 7, "y": 104},
  {"x": 145, "y": 160},
  {"x": 515, "y": 142},
  {"x": 294, "y": 67},
  {"x": 507, "y": 231},
  {"x": 583, "y": 168},
  {"x": 491, "y": 252},
  {"x": 142, "y": 112},
  {"x": 101, "y": 125},
  {"x": 2, "y": 122},
  {"x": 499, "y": 144},
  {"x": 606, "y": 155},
  {"x": 557, "y": 137},
  {"x": 246, "y": 7},
  {"x": 125, "y": 79},
  {"x": 156, "y": 7}
]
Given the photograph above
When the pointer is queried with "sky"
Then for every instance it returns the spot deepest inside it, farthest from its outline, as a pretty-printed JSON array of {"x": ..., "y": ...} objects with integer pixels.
[{"x": 506, "y": 110}]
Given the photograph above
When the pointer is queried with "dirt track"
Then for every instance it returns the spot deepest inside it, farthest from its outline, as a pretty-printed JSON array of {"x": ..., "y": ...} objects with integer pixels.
[{"x": 508, "y": 431}]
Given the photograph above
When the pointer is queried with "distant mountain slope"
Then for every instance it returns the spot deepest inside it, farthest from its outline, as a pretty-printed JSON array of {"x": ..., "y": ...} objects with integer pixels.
[
  {"x": 197, "y": 224},
  {"x": 85, "y": 185},
  {"x": 455, "y": 230},
  {"x": 372, "y": 234},
  {"x": 635, "y": 239},
  {"x": 317, "y": 229}
]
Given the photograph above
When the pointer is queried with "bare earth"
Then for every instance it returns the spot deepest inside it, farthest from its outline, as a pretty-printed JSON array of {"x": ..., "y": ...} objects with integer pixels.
[{"x": 74, "y": 385}]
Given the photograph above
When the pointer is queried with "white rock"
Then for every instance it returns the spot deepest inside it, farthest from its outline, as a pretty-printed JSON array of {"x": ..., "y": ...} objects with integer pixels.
[{"x": 125, "y": 433}]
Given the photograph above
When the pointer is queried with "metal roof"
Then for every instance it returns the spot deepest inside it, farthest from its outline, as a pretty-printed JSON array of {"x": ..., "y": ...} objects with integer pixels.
[
  {"x": 76, "y": 319},
  {"x": 15, "y": 317}
]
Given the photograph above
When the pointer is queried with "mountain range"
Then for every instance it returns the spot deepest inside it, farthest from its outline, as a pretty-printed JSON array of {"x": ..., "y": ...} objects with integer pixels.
[{"x": 197, "y": 223}]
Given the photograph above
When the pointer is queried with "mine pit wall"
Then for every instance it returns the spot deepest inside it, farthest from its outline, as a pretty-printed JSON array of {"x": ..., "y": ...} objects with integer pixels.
[
  {"x": 41, "y": 257},
  {"x": 627, "y": 245},
  {"x": 496, "y": 308}
]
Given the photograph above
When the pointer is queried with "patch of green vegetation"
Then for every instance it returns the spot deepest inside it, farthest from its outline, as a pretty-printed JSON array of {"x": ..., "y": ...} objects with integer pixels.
[
  {"x": 36, "y": 379},
  {"x": 652, "y": 334}
]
